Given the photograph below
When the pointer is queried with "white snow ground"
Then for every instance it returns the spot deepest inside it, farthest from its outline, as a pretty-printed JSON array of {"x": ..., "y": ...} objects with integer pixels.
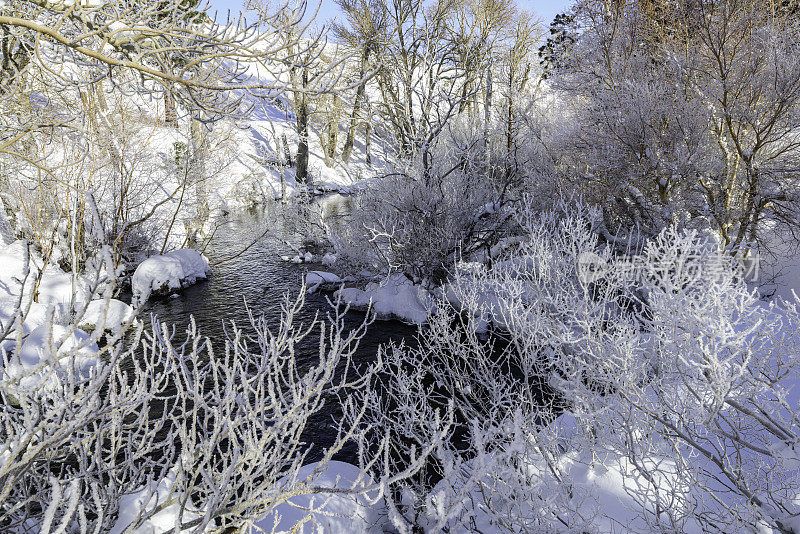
[
  {"x": 329, "y": 513},
  {"x": 146, "y": 500},
  {"x": 49, "y": 347},
  {"x": 50, "y": 352}
]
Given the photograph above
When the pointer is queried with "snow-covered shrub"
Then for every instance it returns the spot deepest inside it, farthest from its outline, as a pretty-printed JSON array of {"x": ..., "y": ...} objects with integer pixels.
[
  {"x": 151, "y": 188},
  {"x": 421, "y": 225},
  {"x": 650, "y": 392}
]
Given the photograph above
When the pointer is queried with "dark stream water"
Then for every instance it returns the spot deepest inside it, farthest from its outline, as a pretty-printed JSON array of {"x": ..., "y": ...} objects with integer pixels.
[{"x": 262, "y": 278}]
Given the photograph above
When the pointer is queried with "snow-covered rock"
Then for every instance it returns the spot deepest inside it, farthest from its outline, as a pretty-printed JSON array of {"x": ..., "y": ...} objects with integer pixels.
[
  {"x": 298, "y": 258},
  {"x": 36, "y": 316},
  {"x": 174, "y": 270},
  {"x": 393, "y": 298},
  {"x": 108, "y": 314},
  {"x": 329, "y": 259},
  {"x": 325, "y": 512},
  {"x": 316, "y": 279}
]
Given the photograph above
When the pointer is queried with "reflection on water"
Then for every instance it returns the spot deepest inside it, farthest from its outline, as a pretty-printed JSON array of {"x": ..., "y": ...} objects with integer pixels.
[{"x": 259, "y": 277}]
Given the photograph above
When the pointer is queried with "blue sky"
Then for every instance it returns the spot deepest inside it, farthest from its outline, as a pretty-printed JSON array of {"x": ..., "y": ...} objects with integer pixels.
[{"x": 545, "y": 9}]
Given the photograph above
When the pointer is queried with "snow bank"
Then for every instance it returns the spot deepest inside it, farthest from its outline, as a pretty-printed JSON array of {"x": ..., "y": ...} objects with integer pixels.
[
  {"x": 54, "y": 293},
  {"x": 37, "y": 315},
  {"x": 603, "y": 488},
  {"x": 394, "y": 298},
  {"x": 319, "y": 512},
  {"x": 474, "y": 290},
  {"x": 55, "y": 287},
  {"x": 65, "y": 348},
  {"x": 327, "y": 512},
  {"x": 174, "y": 270}
]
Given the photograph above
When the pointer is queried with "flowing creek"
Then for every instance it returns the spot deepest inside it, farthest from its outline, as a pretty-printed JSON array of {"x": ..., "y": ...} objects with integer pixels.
[{"x": 261, "y": 278}]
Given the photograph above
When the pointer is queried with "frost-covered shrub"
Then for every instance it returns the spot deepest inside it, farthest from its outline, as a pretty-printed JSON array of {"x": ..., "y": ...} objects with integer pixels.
[
  {"x": 619, "y": 393},
  {"x": 421, "y": 225}
]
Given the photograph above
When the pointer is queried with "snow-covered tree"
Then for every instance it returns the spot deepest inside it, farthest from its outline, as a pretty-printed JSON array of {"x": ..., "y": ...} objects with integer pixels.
[{"x": 679, "y": 113}]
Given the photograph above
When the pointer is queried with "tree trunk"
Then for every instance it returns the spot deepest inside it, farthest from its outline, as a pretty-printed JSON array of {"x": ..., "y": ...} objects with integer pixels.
[
  {"x": 100, "y": 94},
  {"x": 197, "y": 175},
  {"x": 170, "y": 115},
  {"x": 510, "y": 113},
  {"x": 301, "y": 176},
  {"x": 287, "y": 154},
  {"x": 368, "y": 142},
  {"x": 332, "y": 140},
  {"x": 88, "y": 109},
  {"x": 487, "y": 117},
  {"x": 302, "y": 153},
  {"x": 281, "y": 164},
  {"x": 347, "y": 151},
  {"x": 13, "y": 62}
]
